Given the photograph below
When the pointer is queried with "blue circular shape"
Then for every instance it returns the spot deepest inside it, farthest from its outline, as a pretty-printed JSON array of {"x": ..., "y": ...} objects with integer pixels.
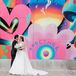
[{"x": 39, "y": 55}]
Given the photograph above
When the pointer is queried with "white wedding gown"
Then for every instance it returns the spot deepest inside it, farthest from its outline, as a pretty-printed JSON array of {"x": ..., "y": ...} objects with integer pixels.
[{"x": 22, "y": 65}]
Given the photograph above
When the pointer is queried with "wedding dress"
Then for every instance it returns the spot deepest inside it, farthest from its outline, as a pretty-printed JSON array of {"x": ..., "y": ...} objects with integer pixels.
[{"x": 22, "y": 65}]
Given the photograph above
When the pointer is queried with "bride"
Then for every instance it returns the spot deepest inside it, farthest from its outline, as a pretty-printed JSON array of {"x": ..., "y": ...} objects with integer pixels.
[{"x": 21, "y": 64}]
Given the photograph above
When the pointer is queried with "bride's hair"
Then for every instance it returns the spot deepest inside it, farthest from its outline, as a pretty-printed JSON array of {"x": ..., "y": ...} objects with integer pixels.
[{"x": 22, "y": 38}]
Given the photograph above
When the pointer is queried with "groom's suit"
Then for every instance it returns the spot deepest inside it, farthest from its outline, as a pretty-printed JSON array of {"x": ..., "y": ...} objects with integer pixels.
[{"x": 13, "y": 51}]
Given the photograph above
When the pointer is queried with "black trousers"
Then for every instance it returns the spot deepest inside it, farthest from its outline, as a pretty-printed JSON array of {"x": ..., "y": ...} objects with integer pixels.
[{"x": 12, "y": 59}]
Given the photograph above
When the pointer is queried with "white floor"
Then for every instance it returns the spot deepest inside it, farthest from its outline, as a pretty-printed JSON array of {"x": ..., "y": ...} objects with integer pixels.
[{"x": 54, "y": 67}]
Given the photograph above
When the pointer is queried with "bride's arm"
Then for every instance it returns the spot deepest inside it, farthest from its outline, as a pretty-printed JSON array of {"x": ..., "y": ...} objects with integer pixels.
[
  {"x": 23, "y": 46},
  {"x": 18, "y": 46}
]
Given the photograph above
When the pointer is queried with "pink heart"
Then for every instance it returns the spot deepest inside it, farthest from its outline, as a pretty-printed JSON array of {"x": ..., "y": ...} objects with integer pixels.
[{"x": 21, "y": 12}]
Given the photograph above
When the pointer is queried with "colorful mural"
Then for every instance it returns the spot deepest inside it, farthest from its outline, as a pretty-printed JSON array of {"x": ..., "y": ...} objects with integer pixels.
[{"x": 47, "y": 25}]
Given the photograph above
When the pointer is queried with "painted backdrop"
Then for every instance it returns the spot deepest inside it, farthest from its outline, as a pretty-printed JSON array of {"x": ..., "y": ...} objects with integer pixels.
[{"x": 48, "y": 26}]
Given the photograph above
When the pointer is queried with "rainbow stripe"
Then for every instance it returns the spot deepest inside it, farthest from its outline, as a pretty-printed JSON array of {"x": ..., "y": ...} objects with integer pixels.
[{"x": 13, "y": 3}]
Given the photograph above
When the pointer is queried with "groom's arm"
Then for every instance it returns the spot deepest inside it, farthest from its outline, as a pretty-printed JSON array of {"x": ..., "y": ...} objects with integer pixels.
[
  {"x": 13, "y": 44},
  {"x": 22, "y": 47}
]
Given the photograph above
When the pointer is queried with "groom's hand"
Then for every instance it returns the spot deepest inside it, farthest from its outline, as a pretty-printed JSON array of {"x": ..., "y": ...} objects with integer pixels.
[{"x": 20, "y": 48}]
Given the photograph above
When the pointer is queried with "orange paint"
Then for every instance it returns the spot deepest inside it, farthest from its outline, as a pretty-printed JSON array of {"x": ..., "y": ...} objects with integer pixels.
[
  {"x": 12, "y": 4},
  {"x": 51, "y": 12},
  {"x": 1, "y": 51}
]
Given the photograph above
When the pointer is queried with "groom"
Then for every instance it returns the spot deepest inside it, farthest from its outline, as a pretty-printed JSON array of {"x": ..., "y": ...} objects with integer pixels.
[{"x": 14, "y": 50}]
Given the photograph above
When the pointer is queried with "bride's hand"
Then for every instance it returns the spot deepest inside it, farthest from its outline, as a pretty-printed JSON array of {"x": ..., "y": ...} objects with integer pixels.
[{"x": 20, "y": 48}]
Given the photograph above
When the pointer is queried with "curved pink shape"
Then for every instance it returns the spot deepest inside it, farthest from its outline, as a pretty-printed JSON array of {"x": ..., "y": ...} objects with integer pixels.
[
  {"x": 37, "y": 31},
  {"x": 21, "y": 12},
  {"x": 39, "y": 35},
  {"x": 65, "y": 36}
]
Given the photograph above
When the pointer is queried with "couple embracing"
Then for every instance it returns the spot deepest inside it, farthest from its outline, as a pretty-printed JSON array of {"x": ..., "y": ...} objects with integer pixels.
[{"x": 20, "y": 63}]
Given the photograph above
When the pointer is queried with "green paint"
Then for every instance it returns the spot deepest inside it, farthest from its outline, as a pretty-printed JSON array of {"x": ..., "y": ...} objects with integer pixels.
[
  {"x": 6, "y": 51},
  {"x": 4, "y": 57},
  {"x": 3, "y": 47}
]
